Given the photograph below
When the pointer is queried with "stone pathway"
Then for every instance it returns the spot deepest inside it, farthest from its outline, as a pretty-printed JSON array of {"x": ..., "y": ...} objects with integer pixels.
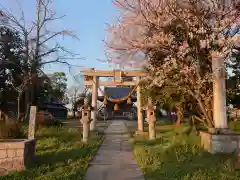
[{"x": 114, "y": 160}]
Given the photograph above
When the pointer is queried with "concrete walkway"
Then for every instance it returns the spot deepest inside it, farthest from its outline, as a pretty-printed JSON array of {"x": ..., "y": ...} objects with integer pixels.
[{"x": 114, "y": 160}]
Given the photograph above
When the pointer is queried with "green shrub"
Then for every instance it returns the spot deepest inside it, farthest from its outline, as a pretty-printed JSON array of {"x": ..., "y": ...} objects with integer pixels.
[
  {"x": 57, "y": 123},
  {"x": 50, "y": 123},
  {"x": 11, "y": 130}
]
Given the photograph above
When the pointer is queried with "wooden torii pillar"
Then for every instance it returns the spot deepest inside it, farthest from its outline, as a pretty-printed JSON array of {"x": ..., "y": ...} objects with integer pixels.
[
  {"x": 95, "y": 86},
  {"x": 94, "y": 82},
  {"x": 139, "y": 108}
]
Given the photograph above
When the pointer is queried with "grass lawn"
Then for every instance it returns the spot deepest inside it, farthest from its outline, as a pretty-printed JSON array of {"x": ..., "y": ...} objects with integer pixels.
[
  {"x": 175, "y": 155},
  {"x": 60, "y": 154}
]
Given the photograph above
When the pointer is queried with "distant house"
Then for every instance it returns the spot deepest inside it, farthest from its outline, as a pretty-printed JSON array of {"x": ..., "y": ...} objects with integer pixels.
[
  {"x": 57, "y": 109},
  {"x": 50, "y": 104}
]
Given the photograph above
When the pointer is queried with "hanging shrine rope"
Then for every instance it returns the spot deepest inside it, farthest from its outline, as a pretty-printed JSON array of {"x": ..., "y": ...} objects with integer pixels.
[{"x": 118, "y": 100}]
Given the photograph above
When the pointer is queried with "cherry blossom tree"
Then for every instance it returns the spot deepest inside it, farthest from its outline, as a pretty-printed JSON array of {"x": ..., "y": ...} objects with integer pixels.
[{"x": 185, "y": 41}]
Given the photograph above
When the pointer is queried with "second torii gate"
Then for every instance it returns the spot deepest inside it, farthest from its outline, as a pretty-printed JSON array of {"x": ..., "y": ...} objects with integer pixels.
[{"x": 91, "y": 78}]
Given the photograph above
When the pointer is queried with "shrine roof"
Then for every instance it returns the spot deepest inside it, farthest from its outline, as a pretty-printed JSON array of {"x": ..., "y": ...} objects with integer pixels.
[{"x": 118, "y": 92}]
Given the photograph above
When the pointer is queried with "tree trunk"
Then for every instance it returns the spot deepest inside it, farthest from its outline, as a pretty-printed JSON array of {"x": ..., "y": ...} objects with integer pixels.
[
  {"x": 169, "y": 115},
  {"x": 27, "y": 100},
  {"x": 202, "y": 109},
  {"x": 18, "y": 106},
  {"x": 208, "y": 120},
  {"x": 74, "y": 114}
]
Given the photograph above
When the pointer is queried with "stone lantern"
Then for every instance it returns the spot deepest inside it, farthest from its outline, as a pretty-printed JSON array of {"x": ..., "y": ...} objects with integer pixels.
[
  {"x": 85, "y": 110},
  {"x": 151, "y": 119}
]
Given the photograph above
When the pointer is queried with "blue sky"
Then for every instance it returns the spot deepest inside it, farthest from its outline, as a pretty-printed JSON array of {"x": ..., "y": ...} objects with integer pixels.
[{"x": 86, "y": 18}]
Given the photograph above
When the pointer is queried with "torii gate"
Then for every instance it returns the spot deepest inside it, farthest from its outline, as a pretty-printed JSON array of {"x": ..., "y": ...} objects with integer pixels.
[{"x": 92, "y": 79}]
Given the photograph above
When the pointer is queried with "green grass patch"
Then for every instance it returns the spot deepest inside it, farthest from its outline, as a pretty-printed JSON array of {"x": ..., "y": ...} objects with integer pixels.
[
  {"x": 60, "y": 154},
  {"x": 177, "y": 155},
  {"x": 235, "y": 125}
]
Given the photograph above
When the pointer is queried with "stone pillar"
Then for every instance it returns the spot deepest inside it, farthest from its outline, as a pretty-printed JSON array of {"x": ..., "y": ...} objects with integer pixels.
[
  {"x": 32, "y": 122},
  {"x": 94, "y": 103},
  {"x": 151, "y": 119},
  {"x": 139, "y": 106},
  {"x": 221, "y": 139},
  {"x": 219, "y": 92}
]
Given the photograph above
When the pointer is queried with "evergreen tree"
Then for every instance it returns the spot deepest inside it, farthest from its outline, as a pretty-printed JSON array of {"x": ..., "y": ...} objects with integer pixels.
[{"x": 11, "y": 64}]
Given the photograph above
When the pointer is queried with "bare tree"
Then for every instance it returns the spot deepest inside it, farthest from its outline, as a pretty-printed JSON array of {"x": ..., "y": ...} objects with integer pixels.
[
  {"x": 37, "y": 36},
  {"x": 20, "y": 89},
  {"x": 73, "y": 95}
]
